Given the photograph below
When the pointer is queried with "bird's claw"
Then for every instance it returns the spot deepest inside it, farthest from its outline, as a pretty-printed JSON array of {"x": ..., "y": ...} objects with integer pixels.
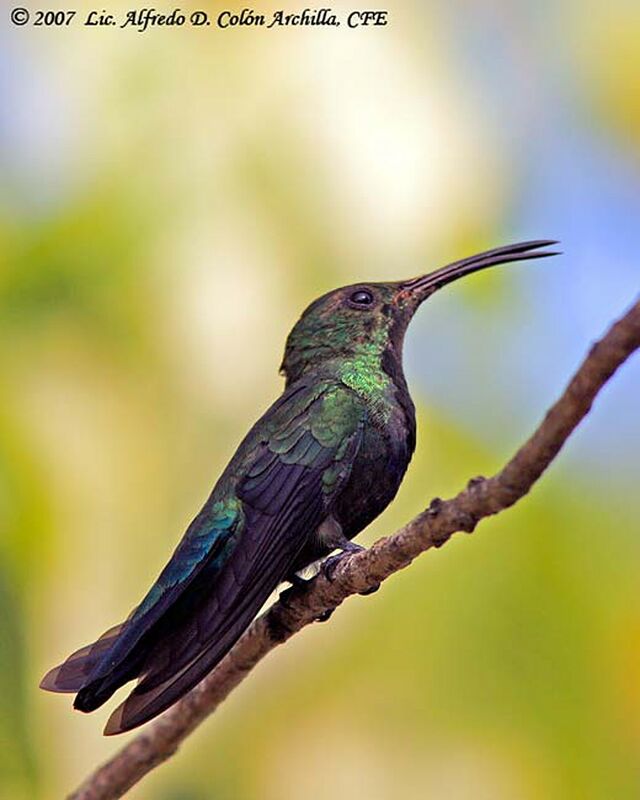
[
  {"x": 330, "y": 564},
  {"x": 297, "y": 582},
  {"x": 298, "y": 585},
  {"x": 286, "y": 595}
]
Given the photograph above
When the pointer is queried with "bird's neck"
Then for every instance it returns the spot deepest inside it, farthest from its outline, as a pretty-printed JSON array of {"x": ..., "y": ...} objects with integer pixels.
[
  {"x": 379, "y": 380},
  {"x": 374, "y": 374},
  {"x": 363, "y": 372},
  {"x": 372, "y": 369}
]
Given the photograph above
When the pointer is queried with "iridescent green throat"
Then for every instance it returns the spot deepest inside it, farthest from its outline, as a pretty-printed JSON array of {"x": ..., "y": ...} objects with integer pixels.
[{"x": 363, "y": 373}]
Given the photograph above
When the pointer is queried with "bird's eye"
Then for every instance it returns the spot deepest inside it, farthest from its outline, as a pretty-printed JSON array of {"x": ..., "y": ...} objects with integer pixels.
[{"x": 361, "y": 298}]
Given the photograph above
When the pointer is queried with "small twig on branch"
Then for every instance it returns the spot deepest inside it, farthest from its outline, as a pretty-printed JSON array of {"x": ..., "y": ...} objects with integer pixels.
[{"x": 363, "y": 571}]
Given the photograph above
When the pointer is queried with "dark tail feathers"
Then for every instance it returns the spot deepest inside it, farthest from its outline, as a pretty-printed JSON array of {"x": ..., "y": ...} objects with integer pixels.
[{"x": 74, "y": 674}]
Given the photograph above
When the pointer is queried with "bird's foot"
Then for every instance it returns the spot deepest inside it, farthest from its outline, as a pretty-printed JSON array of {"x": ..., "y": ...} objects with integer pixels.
[
  {"x": 298, "y": 585},
  {"x": 298, "y": 582},
  {"x": 330, "y": 564},
  {"x": 286, "y": 595}
]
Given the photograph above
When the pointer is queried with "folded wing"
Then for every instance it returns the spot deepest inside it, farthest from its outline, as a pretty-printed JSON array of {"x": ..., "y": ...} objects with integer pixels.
[
  {"x": 285, "y": 493},
  {"x": 234, "y": 554}
]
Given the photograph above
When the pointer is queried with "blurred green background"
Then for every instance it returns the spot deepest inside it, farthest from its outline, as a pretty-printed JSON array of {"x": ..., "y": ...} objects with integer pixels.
[{"x": 169, "y": 203}]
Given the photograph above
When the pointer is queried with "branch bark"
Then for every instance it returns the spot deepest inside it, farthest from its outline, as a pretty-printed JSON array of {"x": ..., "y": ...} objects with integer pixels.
[{"x": 362, "y": 572}]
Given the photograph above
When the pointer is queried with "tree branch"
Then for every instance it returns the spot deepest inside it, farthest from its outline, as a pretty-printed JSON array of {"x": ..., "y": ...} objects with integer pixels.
[{"x": 363, "y": 571}]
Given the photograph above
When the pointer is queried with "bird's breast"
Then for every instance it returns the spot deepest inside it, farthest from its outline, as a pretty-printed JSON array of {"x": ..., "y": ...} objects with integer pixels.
[{"x": 377, "y": 471}]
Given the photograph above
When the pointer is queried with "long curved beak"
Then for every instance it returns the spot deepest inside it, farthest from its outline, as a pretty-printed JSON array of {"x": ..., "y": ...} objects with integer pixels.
[{"x": 424, "y": 286}]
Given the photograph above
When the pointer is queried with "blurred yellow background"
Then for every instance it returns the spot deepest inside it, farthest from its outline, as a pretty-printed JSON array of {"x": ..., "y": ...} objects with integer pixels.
[{"x": 169, "y": 203}]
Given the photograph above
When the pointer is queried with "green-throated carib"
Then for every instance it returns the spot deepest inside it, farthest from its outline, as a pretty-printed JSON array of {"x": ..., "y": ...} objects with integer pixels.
[{"x": 317, "y": 468}]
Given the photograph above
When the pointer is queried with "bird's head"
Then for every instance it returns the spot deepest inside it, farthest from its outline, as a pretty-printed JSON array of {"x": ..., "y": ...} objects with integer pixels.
[{"x": 367, "y": 320}]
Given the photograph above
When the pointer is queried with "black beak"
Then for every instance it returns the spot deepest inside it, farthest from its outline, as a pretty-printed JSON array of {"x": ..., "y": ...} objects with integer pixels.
[{"x": 428, "y": 284}]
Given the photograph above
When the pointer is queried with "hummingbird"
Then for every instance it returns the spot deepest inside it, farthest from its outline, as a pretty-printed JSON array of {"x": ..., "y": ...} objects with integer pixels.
[{"x": 320, "y": 464}]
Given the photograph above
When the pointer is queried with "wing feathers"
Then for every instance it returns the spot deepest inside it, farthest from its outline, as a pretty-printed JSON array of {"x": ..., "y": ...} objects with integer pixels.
[
  {"x": 185, "y": 663},
  {"x": 234, "y": 554}
]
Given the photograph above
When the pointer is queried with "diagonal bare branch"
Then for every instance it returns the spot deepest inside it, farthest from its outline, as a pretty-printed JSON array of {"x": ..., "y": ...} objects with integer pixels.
[{"x": 363, "y": 571}]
